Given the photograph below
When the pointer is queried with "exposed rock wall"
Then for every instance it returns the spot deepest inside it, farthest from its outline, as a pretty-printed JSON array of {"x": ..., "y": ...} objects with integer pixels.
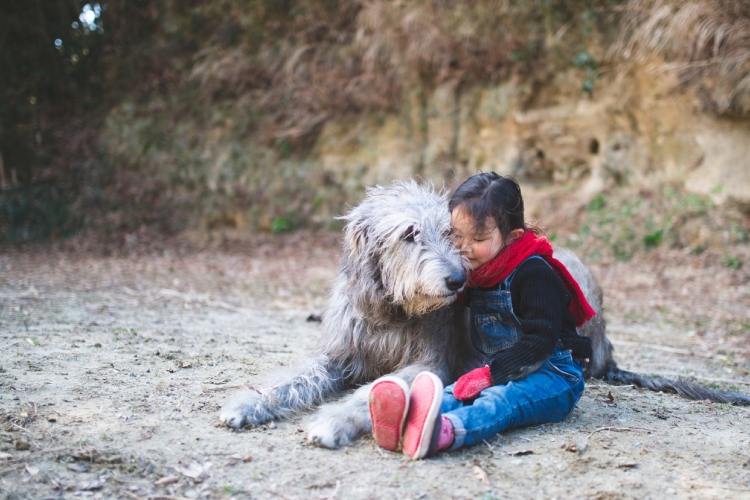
[{"x": 635, "y": 129}]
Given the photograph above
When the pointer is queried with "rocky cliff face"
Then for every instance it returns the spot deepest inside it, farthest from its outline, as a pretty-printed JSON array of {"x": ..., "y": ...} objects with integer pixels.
[{"x": 635, "y": 130}]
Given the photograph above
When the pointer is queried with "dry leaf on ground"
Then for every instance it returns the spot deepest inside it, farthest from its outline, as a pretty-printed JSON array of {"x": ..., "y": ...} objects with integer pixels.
[{"x": 481, "y": 475}]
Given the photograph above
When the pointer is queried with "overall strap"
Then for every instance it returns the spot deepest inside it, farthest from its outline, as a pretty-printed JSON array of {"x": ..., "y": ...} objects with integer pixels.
[{"x": 505, "y": 285}]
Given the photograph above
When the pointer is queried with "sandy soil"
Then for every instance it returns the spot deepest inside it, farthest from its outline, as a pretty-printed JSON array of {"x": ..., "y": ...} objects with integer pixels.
[{"x": 112, "y": 371}]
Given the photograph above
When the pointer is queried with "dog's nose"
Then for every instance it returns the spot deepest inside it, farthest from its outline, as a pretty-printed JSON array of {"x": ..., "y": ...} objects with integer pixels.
[{"x": 455, "y": 281}]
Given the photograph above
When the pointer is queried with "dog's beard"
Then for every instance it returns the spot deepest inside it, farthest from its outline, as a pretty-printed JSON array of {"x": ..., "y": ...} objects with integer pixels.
[{"x": 423, "y": 304}]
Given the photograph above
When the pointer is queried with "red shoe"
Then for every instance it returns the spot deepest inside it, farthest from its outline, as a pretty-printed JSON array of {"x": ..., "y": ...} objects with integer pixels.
[
  {"x": 422, "y": 429},
  {"x": 389, "y": 403}
]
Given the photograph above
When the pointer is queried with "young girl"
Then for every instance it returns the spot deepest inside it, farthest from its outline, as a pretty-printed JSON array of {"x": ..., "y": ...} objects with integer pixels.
[{"x": 524, "y": 310}]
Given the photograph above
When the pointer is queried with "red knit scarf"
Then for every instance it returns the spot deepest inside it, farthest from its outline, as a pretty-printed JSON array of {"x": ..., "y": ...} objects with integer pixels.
[{"x": 496, "y": 270}]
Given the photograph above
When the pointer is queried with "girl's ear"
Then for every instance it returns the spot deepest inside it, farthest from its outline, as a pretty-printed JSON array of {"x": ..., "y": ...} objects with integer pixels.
[{"x": 515, "y": 234}]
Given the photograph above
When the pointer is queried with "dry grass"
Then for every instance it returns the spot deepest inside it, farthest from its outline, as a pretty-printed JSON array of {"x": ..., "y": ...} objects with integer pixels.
[
  {"x": 450, "y": 40},
  {"x": 325, "y": 60},
  {"x": 706, "y": 43},
  {"x": 301, "y": 69}
]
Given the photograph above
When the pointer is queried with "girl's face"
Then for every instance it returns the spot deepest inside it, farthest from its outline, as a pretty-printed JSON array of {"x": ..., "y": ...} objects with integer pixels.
[{"x": 478, "y": 243}]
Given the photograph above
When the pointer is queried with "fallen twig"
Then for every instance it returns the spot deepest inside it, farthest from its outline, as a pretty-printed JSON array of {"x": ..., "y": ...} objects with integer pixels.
[
  {"x": 489, "y": 446},
  {"x": 17, "y": 466},
  {"x": 604, "y": 386},
  {"x": 319, "y": 485},
  {"x": 657, "y": 347},
  {"x": 165, "y": 497},
  {"x": 674, "y": 350},
  {"x": 617, "y": 429},
  {"x": 582, "y": 447},
  {"x": 26, "y": 456},
  {"x": 703, "y": 485},
  {"x": 22, "y": 428},
  {"x": 225, "y": 387},
  {"x": 277, "y": 494},
  {"x": 333, "y": 495},
  {"x": 349, "y": 472}
]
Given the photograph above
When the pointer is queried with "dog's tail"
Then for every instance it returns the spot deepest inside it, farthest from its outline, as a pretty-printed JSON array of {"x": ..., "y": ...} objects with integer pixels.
[{"x": 681, "y": 386}]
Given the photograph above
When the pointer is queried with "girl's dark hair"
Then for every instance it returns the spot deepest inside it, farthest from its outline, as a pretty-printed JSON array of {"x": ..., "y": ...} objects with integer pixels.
[{"x": 488, "y": 195}]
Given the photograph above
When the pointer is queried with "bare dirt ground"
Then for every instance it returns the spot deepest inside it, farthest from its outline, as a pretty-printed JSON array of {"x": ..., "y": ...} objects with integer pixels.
[{"x": 113, "y": 369}]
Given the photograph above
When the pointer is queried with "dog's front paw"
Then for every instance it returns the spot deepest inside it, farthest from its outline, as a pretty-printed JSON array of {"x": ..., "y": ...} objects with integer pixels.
[
  {"x": 232, "y": 416},
  {"x": 245, "y": 407},
  {"x": 327, "y": 432}
]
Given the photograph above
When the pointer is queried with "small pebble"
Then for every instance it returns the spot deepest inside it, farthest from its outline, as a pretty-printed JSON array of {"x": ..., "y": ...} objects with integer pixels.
[{"x": 21, "y": 445}]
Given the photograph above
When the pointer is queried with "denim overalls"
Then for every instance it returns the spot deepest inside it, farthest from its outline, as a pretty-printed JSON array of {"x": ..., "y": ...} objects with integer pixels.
[{"x": 546, "y": 395}]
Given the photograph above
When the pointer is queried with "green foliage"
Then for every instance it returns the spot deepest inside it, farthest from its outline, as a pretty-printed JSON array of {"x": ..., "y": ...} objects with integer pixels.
[
  {"x": 281, "y": 224},
  {"x": 231, "y": 490},
  {"x": 285, "y": 149},
  {"x": 597, "y": 203},
  {"x": 654, "y": 239},
  {"x": 620, "y": 224},
  {"x": 731, "y": 262},
  {"x": 584, "y": 60},
  {"x": 738, "y": 232}
]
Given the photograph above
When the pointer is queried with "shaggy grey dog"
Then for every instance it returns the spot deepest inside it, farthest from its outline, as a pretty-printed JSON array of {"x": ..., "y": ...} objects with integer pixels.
[{"x": 393, "y": 310}]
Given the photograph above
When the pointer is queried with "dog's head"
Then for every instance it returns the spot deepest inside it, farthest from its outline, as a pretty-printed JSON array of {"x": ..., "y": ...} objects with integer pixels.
[{"x": 397, "y": 250}]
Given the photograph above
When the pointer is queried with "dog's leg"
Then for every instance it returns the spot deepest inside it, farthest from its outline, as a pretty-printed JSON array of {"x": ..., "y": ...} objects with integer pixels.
[
  {"x": 339, "y": 424},
  {"x": 303, "y": 389}
]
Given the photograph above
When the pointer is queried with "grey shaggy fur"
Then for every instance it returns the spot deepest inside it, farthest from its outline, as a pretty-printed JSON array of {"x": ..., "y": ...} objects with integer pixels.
[{"x": 393, "y": 310}]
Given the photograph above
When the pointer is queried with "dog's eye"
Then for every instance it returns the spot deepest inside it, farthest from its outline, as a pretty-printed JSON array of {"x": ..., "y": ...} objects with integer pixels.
[{"x": 410, "y": 234}]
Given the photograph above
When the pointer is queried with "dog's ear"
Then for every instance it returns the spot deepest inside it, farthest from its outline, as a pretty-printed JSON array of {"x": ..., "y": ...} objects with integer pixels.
[
  {"x": 361, "y": 263},
  {"x": 361, "y": 266},
  {"x": 355, "y": 239}
]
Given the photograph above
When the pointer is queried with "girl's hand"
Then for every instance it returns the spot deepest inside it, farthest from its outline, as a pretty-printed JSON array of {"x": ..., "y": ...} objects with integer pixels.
[{"x": 470, "y": 385}]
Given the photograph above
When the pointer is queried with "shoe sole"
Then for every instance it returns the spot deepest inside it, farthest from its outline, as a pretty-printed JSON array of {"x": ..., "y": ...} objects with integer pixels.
[
  {"x": 425, "y": 398},
  {"x": 388, "y": 402}
]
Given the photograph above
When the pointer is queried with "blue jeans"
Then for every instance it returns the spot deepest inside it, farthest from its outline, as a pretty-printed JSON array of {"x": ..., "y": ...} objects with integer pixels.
[{"x": 547, "y": 395}]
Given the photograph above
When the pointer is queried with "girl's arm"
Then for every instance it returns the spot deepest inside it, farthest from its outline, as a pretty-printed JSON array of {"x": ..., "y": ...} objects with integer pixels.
[{"x": 540, "y": 302}]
